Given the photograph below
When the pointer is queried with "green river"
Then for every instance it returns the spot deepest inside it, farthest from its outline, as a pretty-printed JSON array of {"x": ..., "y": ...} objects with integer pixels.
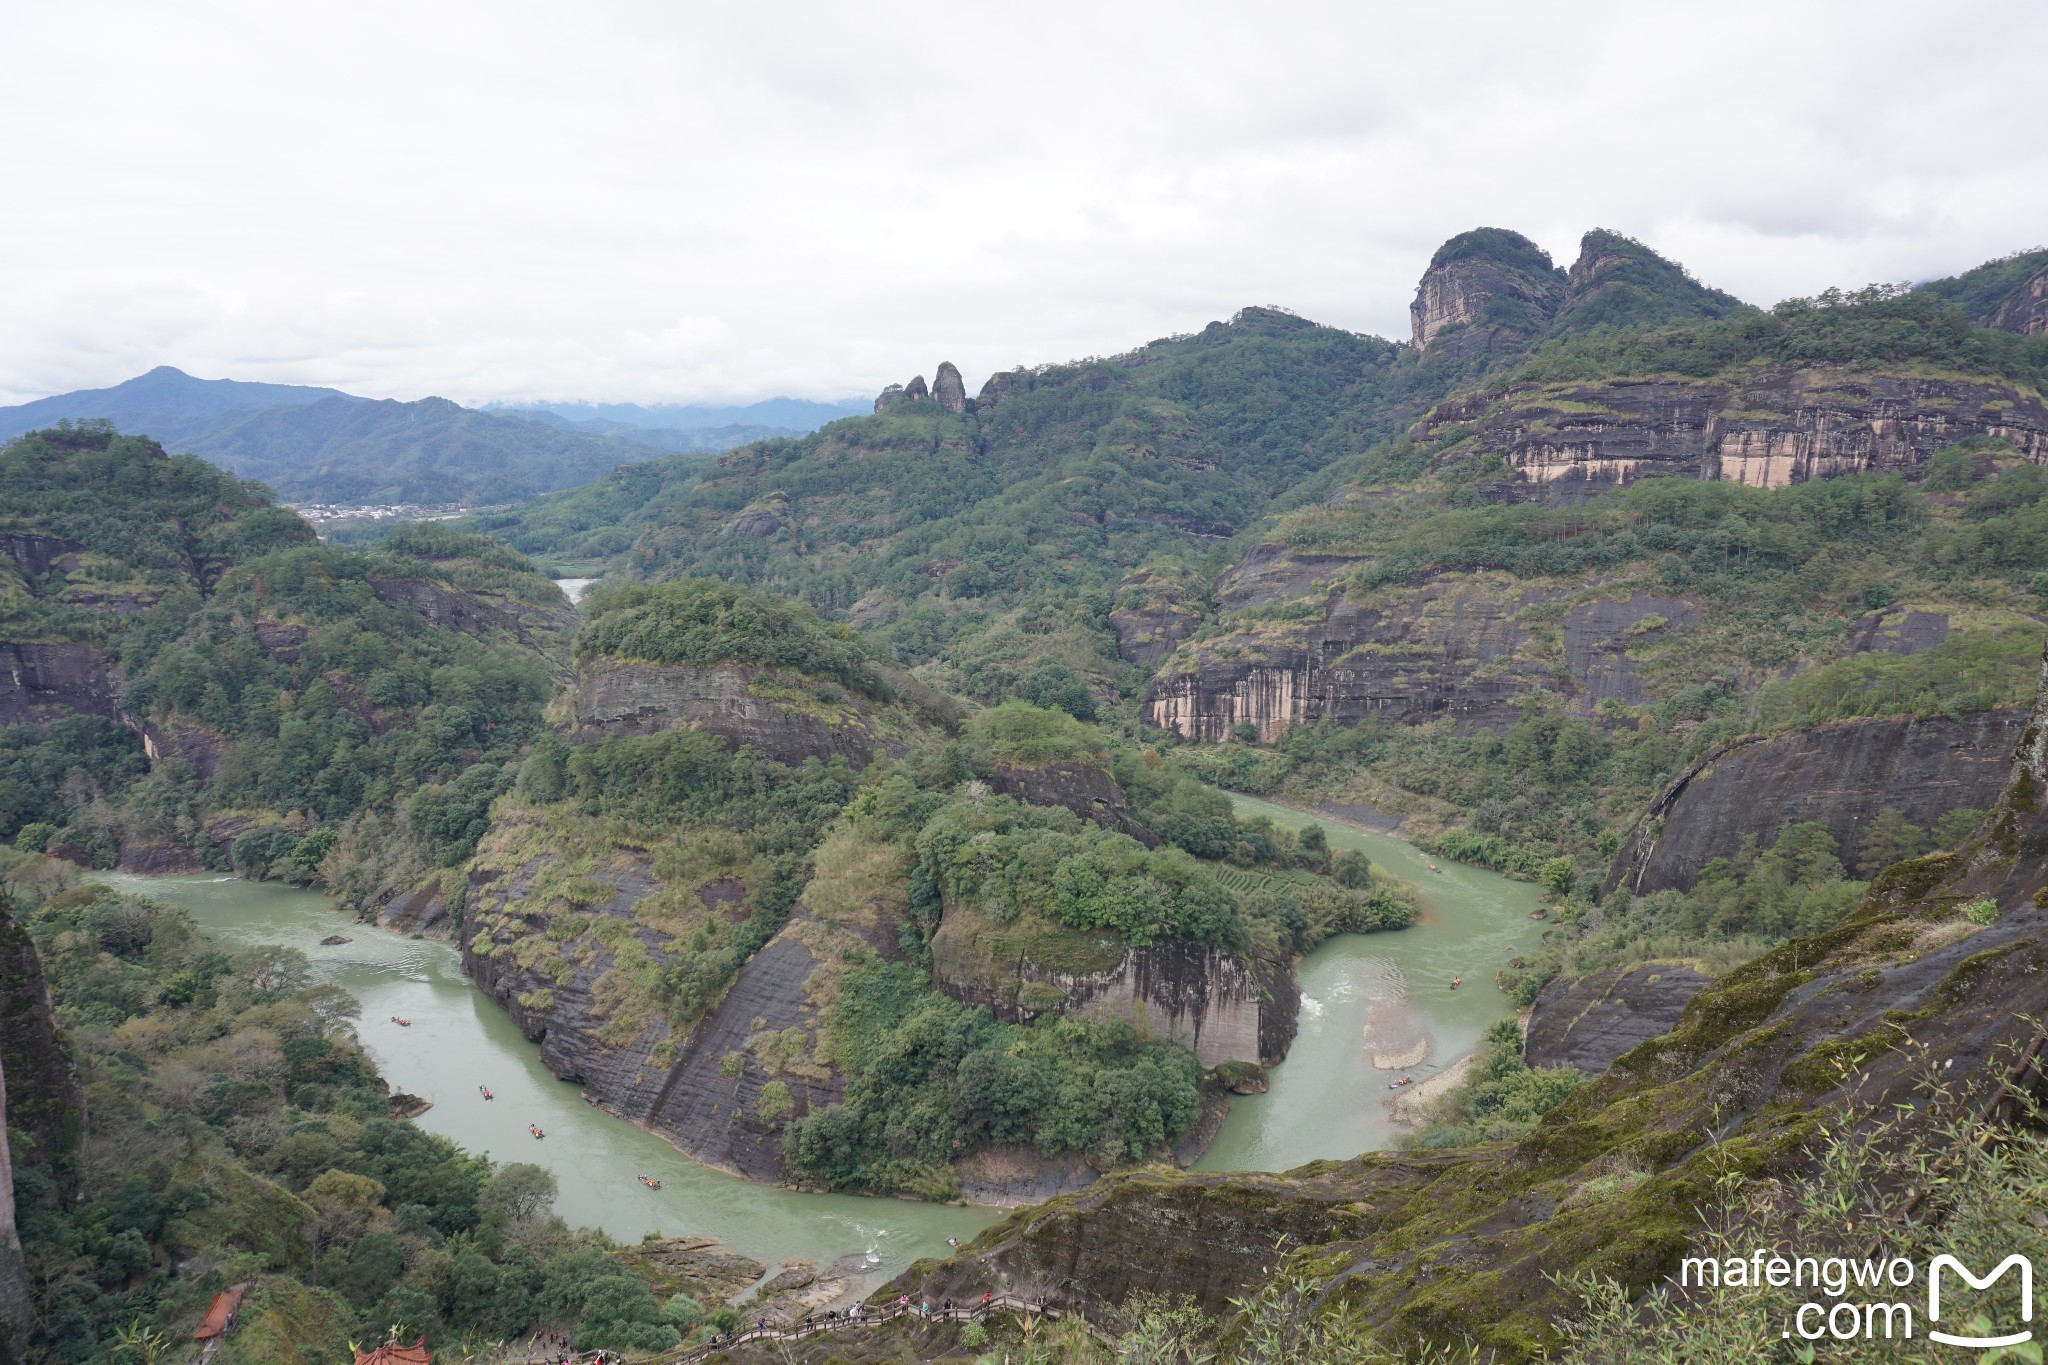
[
  {"x": 459, "y": 1039},
  {"x": 1326, "y": 1100}
]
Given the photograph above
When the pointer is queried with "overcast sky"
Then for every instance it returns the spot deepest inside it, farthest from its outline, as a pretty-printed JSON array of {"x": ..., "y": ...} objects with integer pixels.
[{"x": 682, "y": 202}]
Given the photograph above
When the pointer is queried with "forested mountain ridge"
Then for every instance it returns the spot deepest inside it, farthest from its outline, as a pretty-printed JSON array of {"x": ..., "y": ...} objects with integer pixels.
[
  {"x": 195, "y": 681},
  {"x": 948, "y": 525},
  {"x": 322, "y": 445},
  {"x": 1543, "y": 585}
]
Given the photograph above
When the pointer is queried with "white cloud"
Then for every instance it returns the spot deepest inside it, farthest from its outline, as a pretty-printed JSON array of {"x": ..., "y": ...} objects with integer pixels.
[{"x": 660, "y": 202}]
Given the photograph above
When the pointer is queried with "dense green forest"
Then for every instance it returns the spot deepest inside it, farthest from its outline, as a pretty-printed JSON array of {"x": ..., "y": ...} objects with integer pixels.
[
  {"x": 317, "y": 713},
  {"x": 238, "y": 1126}
]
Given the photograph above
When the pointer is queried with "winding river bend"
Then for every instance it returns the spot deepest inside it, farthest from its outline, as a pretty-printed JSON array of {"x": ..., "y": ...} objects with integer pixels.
[
  {"x": 459, "y": 1039},
  {"x": 1327, "y": 1100}
]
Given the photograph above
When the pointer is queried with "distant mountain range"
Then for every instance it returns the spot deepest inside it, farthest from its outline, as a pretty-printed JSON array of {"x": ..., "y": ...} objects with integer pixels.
[
  {"x": 798, "y": 415},
  {"x": 323, "y": 445}
]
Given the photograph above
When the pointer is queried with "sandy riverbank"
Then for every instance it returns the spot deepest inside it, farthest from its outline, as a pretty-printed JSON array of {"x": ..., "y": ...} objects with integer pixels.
[{"x": 1406, "y": 1107}]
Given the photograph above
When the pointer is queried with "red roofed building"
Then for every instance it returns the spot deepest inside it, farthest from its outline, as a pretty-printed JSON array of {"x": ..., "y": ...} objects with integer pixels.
[
  {"x": 391, "y": 1353},
  {"x": 220, "y": 1318}
]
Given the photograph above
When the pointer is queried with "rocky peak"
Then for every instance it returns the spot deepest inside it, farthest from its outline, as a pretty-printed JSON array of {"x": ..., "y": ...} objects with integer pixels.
[
  {"x": 1484, "y": 289},
  {"x": 2025, "y": 310},
  {"x": 1001, "y": 385},
  {"x": 948, "y": 390},
  {"x": 1617, "y": 279}
]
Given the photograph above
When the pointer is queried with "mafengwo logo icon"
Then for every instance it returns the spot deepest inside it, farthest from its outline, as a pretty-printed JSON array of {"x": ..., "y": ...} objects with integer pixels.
[{"x": 1963, "y": 1272}]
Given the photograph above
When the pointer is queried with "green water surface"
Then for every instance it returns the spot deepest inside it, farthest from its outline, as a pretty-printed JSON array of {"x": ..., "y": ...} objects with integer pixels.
[
  {"x": 459, "y": 1040},
  {"x": 1327, "y": 1099}
]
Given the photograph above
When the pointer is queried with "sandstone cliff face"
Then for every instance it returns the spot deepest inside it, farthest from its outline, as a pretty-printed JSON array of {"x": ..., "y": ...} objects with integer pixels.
[
  {"x": 46, "y": 1104},
  {"x": 545, "y": 628},
  {"x": 739, "y": 705},
  {"x": 1840, "y": 775},
  {"x": 1154, "y": 613},
  {"x": 948, "y": 390},
  {"x": 40, "y": 682},
  {"x": 1001, "y": 385},
  {"x": 1222, "y": 1007},
  {"x": 44, "y": 1096},
  {"x": 1507, "y": 271},
  {"x": 1461, "y": 647},
  {"x": 1145, "y": 635},
  {"x": 36, "y": 555},
  {"x": 700, "y": 1088},
  {"x": 16, "y": 1301},
  {"x": 2026, "y": 310},
  {"x": 1767, "y": 428}
]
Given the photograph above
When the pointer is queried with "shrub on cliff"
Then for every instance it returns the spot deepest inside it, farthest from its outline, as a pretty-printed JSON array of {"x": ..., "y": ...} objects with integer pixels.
[
  {"x": 703, "y": 621},
  {"x": 1020, "y": 732},
  {"x": 930, "y": 1080},
  {"x": 1010, "y": 859}
]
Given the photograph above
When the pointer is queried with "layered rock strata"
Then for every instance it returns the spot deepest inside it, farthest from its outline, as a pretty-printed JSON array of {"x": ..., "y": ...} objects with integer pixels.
[
  {"x": 1766, "y": 427},
  {"x": 1460, "y": 647}
]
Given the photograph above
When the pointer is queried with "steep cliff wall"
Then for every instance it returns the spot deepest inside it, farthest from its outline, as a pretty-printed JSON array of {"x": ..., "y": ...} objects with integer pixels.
[
  {"x": 46, "y": 1102},
  {"x": 1587, "y": 1022},
  {"x": 1088, "y": 791},
  {"x": 1840, "y": 775},
  {"x": 15, "y": 1292},
  {"x": 1485, "y": 290},
  {"x": 1765, "y": 427},
  {"x": 1222, "y": 1007},
  {"x": 701, "y": 1087},
  {"x": 545, "y": 627},
  {"x": 40, "y": 682},
  {"x": 2026, "y": 311},
  {"x": 41, "y": 1101},
  {"x": 1465, "y": 647}
]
